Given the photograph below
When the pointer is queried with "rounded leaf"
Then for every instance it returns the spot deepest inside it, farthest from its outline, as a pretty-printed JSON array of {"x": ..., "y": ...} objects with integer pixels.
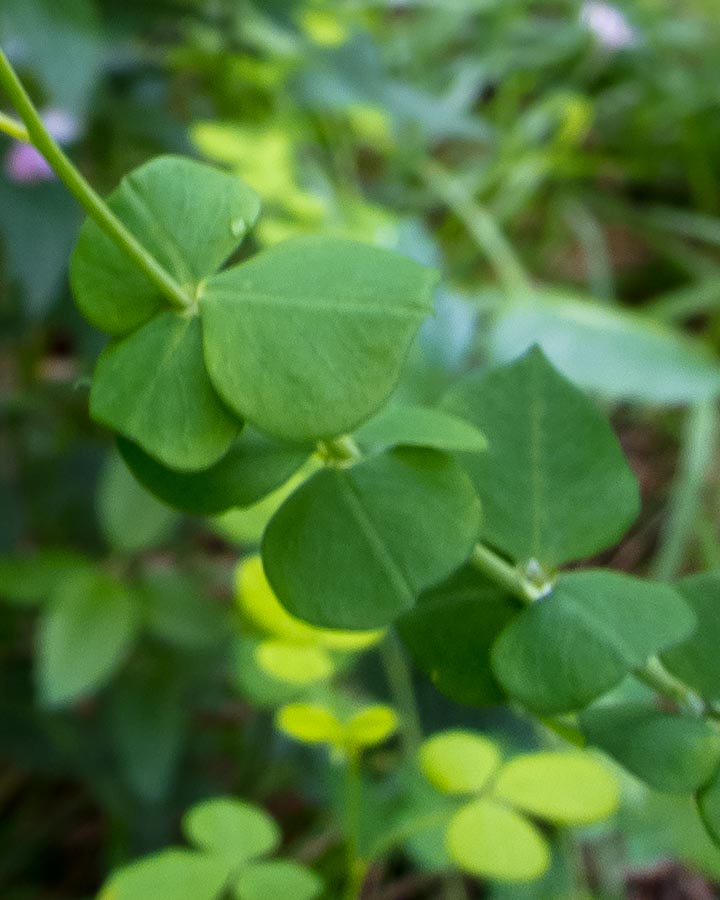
[
  {"x": 294, "y": 663},
  {"x": 491, "y": 841},
  {"x": 174, "y": 874},
  {"x": 189, "y": 216},
  {"x": 152, "y": 388},
  {"x": 568, "y": 788},
  {"x": 278, "y": 878},
  {"x": 310, "y": 724},
  {"x": 459, "y": 762},
  {"x": 231, "y": 828},
  {"x": 370, "y": 726},
  {"x": 252, "y": 468},
  {"x": 357, "y": 309},
  {"x": 354, "y": 547}
]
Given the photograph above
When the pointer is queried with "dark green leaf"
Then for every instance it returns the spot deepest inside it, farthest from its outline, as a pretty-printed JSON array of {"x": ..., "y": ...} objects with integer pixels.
[
  {"x": 353, "y": 547},
  {"x": 152, "y": 388},
  {"x": 576, "y": 644},
  {"x": 554, "y": 483},
  {"x": 696, "y": 661},
  {"x": 671, "y": 752},
  {"x": 450, "y": 632},
  {"x": 307, "y": 339},
  {"x": 253, "y": 467},
  {"x": 29, "y": 579}
]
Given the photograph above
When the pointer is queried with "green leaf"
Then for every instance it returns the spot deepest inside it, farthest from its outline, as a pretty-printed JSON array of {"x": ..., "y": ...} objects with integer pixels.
[
  {"x": 307, "y": 339},
  {"x": 619, "y": 354},
  {"x": 450, "y": 632},
  {"x": 554, "y": 483},
  {"x": 26, "y": 580},
  {"x": 176, "y": 611},
  {"x": 420, "y": 426},
  {"x": 232, "y": 829},
  {"x": 567, "y": 788},
  {"x": 696, "y": 661},
  {"x": 296, "y": 664},
  {"x": 253, "y": 467},
  {"x": 189, "y": 216},
  {"x": 708, "y": 802},
  {"x": 491, "y": 841},
  {"x": 86, "y": 633},
  {"x": 370, "y": 726},
  {"x": 130, "y": 518},
  {"x": 310, "y": 723},
  {"x": 459, "y": 762},
  {"x": 277, "y": 878},
  {"x": 673, "y": 753},
  {"x": 174, "y": 874},
  {"x": 353, "y": 547},
  {"x": 574, "y": 645},
  {"x": 152, "y": 388}
]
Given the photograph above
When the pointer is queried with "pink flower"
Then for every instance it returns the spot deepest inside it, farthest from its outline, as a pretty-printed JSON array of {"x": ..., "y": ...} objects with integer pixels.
[
  {"x": 609, "y": 26},
  {"x": 26, "y": 165}
]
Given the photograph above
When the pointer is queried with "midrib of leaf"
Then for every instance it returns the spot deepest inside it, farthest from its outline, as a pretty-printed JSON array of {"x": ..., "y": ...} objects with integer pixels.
[
  {"x": 537, "y": 411},
  {"x": 309, "y": 304},
  {"x": 174, "y": 253},
  {"x": 375, "y": 538}
]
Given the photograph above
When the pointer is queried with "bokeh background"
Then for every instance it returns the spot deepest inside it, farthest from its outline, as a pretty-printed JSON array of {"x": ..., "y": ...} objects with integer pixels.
[{"x": 558, "y": 161}]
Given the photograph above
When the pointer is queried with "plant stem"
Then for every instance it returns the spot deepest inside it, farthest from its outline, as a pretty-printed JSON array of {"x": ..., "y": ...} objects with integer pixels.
[
  {"x": 505, "y": 575},
  {"x": 481, "y": 224},
  {"x": 15, "y": 129},
  {"x": 340, "y": 451},
  {"x": 399, "y": 680},
  {"x": 93, "y": 204},
  {"x": 656, "y": 676},
  {"x": 356, "y": 866},
  {"x": 700, "y": 438}
]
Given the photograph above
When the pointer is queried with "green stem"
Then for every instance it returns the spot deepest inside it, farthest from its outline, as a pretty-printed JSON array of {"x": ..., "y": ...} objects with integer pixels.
[
  {"x": 481, "y": 224},
  {"x": 700, "y": 438},
  {"x": 15, "y": 129},
  {"x": 656, "y": 676},
  {"x": 93, "y": 204},
  {"x": 506, "y": 575},
  {"x": 356, "y": 866},
  {"x": 399, "y": 680},
  {"x": 340, "y": 451}
]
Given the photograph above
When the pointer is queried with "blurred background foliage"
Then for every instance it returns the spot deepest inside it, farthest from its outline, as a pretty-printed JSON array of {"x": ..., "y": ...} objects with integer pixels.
[{"x": 558, "y": 161}]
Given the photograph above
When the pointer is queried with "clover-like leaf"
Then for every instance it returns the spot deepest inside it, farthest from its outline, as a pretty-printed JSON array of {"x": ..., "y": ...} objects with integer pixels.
[
  {"x": 554, "y": 483},
  {"x": 574, "y": 645},
  {"x": 353, "y": 547},
  {"x": 669, "y": 751},
  {"x": 173, "y": 874},
  {"x": 420, "y": 426},
  {"x": 459, "y": 762},
  {"x": 232, "y": 829},
  {"x": 568, "y": 788},
  {"x": 370, "y": 726},
  {"x": 310, "y": 724},
  {"x": 253, "y": 467},
  {"x": 306, "y": 340},
  {"x": 298, "y": 664},
  {"x": 189, "y": 216},
  {"x": 152, "y": 388},
  {"x": 489, "y": 840},
  {"x": 277, "y": 878}
]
